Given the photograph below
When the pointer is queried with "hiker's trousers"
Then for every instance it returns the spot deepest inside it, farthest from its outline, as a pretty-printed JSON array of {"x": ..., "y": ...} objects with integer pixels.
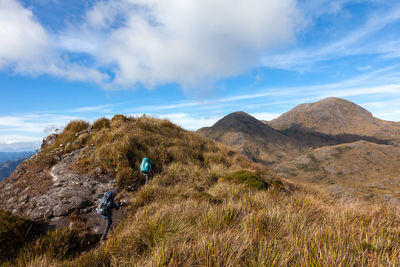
[{"x": 108, "y": 225}]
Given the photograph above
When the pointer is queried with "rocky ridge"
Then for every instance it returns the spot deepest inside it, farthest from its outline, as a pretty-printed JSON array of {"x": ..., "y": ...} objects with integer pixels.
[{"x": 54, "y": 193}]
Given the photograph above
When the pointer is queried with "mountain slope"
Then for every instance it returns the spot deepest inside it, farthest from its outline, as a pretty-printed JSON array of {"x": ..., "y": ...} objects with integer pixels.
[
  {"x": 76, "y": 167},
  {"x": 251, "y": 137},
  {"x": 206, "y": 206},
  {"x": 360, "y": 169},
  {"x": 357, "y": 148},
  {"x": 335, "y": 116}
]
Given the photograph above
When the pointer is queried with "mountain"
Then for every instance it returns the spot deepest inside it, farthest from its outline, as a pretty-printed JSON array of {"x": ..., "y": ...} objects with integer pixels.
[
  {"x": 333, "y": 117},
  {"x": 206, "y": 206},
  {"x": 332, "y": 144},
  {"x": 252, "y": 138}
]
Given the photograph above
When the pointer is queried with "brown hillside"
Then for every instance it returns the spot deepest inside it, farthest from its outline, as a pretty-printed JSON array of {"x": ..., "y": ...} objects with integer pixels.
[
  {"x": 206, "y": 206},
  {"x": 336, "y": 116},
  {"x": 76, "y": 167},
  {"x": 252, "y": 138},
  {"x": 359, "y": 169}
]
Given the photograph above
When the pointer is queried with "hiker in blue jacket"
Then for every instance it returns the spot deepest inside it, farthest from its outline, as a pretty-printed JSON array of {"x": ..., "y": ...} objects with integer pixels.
[
  {"x": 106, "y": 206},
  {"x": 145, "y": 168}
]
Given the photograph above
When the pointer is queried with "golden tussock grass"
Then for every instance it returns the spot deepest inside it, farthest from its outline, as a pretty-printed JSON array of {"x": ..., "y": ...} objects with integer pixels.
[
  {"x": 188, "y": 216},
  {"x": 250, "y": 227}
]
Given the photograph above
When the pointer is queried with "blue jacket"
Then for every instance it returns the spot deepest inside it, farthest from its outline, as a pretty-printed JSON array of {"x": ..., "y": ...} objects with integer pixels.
[{"x": 110, "y": 207}]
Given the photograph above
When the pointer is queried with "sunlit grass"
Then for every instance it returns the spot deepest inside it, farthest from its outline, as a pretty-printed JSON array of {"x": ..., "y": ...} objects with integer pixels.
[{"x": 209, "y": 206}]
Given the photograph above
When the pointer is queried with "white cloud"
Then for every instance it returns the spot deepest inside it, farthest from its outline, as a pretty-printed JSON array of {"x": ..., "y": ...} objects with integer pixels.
[
  {"x": 22, "y": 38},
  {"x": 20, "y": 146},
  {"x": 27, "y": 48},
  {"x": 30, "y": 127},
  {"x": 359, "y": 41},
  {"x": 188, "y": 42},
  {"x": 266, "y": 116}
]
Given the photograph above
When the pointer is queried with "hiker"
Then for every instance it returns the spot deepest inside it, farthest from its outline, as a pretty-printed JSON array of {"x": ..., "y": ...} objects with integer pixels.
[
  {"x": 105, "y": 208},
  {"x": 145, "y": 168}
]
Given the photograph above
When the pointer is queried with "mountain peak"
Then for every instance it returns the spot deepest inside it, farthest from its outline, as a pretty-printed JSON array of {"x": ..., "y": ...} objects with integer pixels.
[{"x": 334, "y": 116}]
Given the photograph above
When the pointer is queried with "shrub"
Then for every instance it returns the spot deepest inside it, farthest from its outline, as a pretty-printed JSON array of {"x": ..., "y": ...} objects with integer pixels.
[{"x": 248, "y": 178}]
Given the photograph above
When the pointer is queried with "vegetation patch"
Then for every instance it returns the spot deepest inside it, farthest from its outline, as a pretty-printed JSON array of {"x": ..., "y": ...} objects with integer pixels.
[
  {"x": 247, "y": 178},
  {"x": 203, "y": 196},
  {"x": 15, "y": 232}
]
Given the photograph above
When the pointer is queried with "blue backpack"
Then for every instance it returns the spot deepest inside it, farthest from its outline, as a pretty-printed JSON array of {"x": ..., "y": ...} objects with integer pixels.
[
  {"x": 104, "y": 205},
  {"x": 145, "y": 166}
]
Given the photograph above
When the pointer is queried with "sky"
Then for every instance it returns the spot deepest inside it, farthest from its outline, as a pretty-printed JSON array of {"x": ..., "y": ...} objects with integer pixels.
[{"x": 190, "y": 61}]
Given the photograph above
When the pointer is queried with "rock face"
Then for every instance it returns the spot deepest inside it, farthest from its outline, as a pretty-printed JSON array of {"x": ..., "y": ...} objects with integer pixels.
[
  {"x": 56, "y": 193},
  {"x": 48, "y": 141}
]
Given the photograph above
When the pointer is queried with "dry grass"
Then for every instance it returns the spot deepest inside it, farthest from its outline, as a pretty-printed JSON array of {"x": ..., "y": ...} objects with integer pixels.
[
  {"x": 122, "y": 143},
  {"x": 187, "y": 216},
  {"x": 15, "y": 232},
  {"x": 249, "y": 227}
]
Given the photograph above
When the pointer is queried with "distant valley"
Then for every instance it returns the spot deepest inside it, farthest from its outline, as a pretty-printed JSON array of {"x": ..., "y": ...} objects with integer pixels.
[
  {"x": 332, "y": 144},
  {"x": 10, "y": 160}
]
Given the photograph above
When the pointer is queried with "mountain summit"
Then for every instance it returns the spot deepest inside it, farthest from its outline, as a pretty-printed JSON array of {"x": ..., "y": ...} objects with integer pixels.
[
  {"x": 336, "y": 116},
  {"x": 251, "y": 137}
]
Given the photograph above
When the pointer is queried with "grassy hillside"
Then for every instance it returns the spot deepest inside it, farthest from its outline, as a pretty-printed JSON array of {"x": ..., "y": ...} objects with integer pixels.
[
  {"x": 236, "y": 225},
  {"x": 209, "y": 206},
  {"x": 356, "y": 170}
]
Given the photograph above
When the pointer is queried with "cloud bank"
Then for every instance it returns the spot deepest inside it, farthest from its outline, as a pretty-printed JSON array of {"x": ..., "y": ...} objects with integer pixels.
[
  {"x": 26, "y": 47},
  {"x": 150, "y": 42}
]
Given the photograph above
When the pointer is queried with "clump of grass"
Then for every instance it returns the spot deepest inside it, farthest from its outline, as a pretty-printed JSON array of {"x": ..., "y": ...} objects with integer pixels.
[
  {"x": 15, "y": 232},
  {"x": 248, "y": 178},
  {"x": 60, "y": 244},
  {"x": 102, "y": 123},
  {"x": 68, "y": 140},
  {"x": 204, "y": 196}
]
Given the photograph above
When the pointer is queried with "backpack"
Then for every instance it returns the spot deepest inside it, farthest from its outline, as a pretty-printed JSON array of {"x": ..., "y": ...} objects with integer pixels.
[
  {"x": 145, "y": 166},
  {"x": 104, "y": 205}
]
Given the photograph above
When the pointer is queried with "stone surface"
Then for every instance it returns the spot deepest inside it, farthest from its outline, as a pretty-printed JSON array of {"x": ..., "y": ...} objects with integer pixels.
[
  {"x": 48, "y": 141},
  {"x": 67, "y": 192}
]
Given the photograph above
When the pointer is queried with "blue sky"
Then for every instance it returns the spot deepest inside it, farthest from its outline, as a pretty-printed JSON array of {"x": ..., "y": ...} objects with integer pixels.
[{"x": 190, "y": 61}]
